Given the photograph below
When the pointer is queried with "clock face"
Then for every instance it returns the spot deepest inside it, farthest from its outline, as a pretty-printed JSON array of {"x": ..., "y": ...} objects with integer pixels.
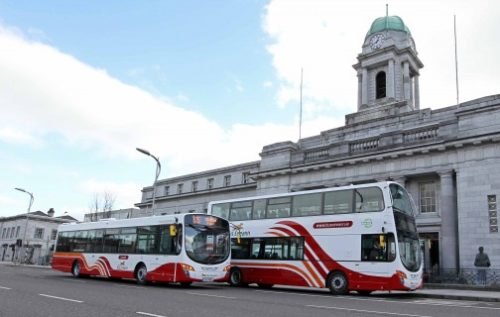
[{"x": 376, "y": 41}]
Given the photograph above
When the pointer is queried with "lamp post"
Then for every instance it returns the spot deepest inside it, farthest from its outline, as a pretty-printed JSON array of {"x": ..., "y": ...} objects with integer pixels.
[
  {"x": 27, "y": 217},
  {"x": 158, "y": 170},
  {"x": 27, "y": 192}
]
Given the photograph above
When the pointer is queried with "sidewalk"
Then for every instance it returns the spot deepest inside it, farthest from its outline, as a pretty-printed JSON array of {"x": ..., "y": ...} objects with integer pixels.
[
  {"x": 459, "y": 292},
  {"x": 430, "y": 290}
]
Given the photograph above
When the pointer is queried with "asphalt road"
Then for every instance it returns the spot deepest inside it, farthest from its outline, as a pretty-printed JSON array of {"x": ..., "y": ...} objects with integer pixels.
[{"x": 26, "y": 291}]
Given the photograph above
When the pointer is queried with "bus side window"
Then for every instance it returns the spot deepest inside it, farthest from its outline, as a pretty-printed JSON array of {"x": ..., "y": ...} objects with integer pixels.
[{"x": 374, "y": 247}]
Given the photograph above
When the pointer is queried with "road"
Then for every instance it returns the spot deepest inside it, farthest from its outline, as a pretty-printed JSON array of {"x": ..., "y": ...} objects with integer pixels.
[{"x": 27, "y": 291}]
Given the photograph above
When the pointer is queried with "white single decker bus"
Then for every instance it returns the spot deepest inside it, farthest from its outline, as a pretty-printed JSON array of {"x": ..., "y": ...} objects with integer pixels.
[
  {"x": 182, "y": 248},
  {"x": 355, "y": 238}
]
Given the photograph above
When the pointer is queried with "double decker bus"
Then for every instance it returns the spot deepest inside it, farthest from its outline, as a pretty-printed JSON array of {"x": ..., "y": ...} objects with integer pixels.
[
  {"x": 355, "y": 238},
  {"x": 181, "y": 248}
]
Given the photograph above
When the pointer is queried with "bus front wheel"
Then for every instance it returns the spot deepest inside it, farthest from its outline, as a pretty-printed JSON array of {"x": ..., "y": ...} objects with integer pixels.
[
  {"x": 76, "y": 269},
  {"x": 236, "y": 277},
  {"x": 140, "y": 274},
  {"x": 337, "y": 283}
]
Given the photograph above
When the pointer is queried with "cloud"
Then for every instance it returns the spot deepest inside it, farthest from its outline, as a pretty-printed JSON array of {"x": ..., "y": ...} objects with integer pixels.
[
  {"x": 49, "y": 93},
  {"x": 10, "y": 135}
]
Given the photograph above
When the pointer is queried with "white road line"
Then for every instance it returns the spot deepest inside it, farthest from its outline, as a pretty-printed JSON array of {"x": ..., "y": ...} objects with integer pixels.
[
  {"x": 457, "y": 303},
  {"x": 62, "y": 298},
  {"x": 366, "y": 311},
  {"x": 148, "y": 314},
  {"x": 210, "y": 295},
  {"x": 3, "y": 287}
]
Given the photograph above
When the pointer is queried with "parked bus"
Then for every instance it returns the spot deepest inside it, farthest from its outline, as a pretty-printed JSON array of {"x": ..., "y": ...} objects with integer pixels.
[
  {"x": 354, "y": 238},
  {"x": 181, "y": 248}
]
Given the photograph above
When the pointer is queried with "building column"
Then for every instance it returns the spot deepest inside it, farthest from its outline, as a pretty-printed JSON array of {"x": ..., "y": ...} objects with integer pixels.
[
  {"x": 360, "y": 89},
  {"x": 390, "y": 80},
  {"x": 449, "y": 221},
  {"x": 406, "y": 80},
  {"x": 364, "y": 89},
  {"x": 417, "y": 93}
]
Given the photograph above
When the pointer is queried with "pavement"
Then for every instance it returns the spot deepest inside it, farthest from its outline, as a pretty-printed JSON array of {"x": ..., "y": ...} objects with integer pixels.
[{"x": 430, "y": 290}]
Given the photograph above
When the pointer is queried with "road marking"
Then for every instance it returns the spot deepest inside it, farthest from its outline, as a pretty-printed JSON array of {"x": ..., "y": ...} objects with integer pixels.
[
  {"x": 3, "y": 287},
  {"x": 148, "y": 314},
  {"x": 62, "y": 298},
  {"x": 128, "y": 286},
  {"x": 366, "y": 311},
  {"x": 210, "y": 295},
  {"x": 429, "y": 302}
]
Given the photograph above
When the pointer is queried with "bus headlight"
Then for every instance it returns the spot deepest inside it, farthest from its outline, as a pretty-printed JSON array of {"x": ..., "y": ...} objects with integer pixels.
[
  {"x": 227, "y": 268},
  {"x": 187, "y": 268},
  {"x": 402, "y": 276}
]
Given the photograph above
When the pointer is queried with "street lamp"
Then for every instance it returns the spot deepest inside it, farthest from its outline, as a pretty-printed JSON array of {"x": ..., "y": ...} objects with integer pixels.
[
  {"x": 27, "y": 192},
  {"x": 27, "y": 220},
  {"x": 158, "y": 170}
]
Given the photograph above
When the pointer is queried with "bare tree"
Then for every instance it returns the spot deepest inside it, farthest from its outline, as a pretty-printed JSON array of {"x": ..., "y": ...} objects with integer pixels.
[
  {"x": 94, "y": 207},
  {"x": 108, "y": 202},
  {"x": 101, "y": 204}
]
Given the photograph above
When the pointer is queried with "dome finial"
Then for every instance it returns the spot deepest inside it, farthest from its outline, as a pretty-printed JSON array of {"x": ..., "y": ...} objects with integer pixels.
[{"x": 386, "y": 15}]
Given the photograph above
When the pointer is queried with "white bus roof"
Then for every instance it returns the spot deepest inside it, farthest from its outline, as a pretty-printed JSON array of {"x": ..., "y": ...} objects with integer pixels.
[
  {"x": 312, "y": 191},
  {"x": 123, "y": 223}
]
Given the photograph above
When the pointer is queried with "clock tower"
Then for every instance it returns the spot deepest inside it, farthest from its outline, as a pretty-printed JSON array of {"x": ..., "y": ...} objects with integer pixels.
[{"x": 388, "y": 68}]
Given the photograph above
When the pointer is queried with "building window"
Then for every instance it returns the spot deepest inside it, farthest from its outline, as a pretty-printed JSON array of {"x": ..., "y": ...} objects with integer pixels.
[
  {"x": 246, "y": 177},
  {"x": 179, "y": 188},
  {"x": 38, "y": 233},
  {"x": 381, "y": 85},
  {"x": 194, "y": 186},
  {"x": 166, "y": 190},
  {"x": 227, "y": 180},
  {"x": 210, "y": 183},
  {"x": 8, "y": 233},
  {"x": 53, "y": 235},
  {"x": 492, "y": 212},
  {"x": 17, "y": 231},
  {"x": 428, "y": 197},
  {"x": 12, "y": 232},
  {"x": 3, "y": 232}
]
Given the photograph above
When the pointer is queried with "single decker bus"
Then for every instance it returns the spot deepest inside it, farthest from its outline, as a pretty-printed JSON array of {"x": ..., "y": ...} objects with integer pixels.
[
  {"x": 182, "y": 248},
  {"x": 354, "y": 238}
]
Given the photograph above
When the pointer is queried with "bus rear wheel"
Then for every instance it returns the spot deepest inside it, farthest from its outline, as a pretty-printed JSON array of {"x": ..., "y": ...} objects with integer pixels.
[
  {"x": 236, "y": 277},
  {"x": 76, "y": 269},
  {"x": 337, "y": 283},
  {"x": 140, "y": 274}
]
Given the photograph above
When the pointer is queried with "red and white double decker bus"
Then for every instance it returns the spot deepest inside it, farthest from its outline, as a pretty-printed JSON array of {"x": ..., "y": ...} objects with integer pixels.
[
  {"x": 354, "y": 238},
  {"x": 181, "y": 248}
]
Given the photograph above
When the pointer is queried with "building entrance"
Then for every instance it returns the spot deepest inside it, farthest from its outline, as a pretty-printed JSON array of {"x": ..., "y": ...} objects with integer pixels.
[{"x": 430, "y": 249}]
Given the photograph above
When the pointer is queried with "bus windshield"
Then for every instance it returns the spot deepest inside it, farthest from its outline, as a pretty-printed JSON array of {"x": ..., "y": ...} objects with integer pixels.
[
  {"x": 207, "y": 239},
  {"x": 409, "y": 246}
]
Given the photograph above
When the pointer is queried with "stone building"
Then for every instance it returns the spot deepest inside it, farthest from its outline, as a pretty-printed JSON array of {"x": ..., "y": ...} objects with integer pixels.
[
  {"x": 449, "y": 158},
  {"x": 29, "y": 237}
]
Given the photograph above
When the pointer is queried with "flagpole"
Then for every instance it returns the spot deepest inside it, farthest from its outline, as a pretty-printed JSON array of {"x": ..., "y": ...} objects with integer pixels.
[
  {"x": 300, "y": 115},
  {"x": 456, "y": 57}
]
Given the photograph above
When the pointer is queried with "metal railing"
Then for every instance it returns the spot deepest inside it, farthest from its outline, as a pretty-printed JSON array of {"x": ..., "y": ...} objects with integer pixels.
[{"x": 479, "y": 277}]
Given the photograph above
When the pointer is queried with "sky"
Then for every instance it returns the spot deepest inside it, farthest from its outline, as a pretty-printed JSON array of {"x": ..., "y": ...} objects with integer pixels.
[{"x": 200, "y": 84}]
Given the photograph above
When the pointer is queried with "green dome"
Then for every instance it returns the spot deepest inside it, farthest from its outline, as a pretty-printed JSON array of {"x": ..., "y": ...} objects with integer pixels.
[{"x": 392, "y": 22}]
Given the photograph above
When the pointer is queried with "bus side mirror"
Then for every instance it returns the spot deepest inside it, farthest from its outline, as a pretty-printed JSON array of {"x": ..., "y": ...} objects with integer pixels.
[{"x": 172, "y": 230}]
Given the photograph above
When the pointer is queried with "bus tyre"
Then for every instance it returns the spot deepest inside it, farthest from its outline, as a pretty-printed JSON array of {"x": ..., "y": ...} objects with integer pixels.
[
  {"x": 140, "y": 274},
  {"x": 235, "y": 277},
  {"x": 337, "y": 283},
  {"x": 76, "y": 269}
]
